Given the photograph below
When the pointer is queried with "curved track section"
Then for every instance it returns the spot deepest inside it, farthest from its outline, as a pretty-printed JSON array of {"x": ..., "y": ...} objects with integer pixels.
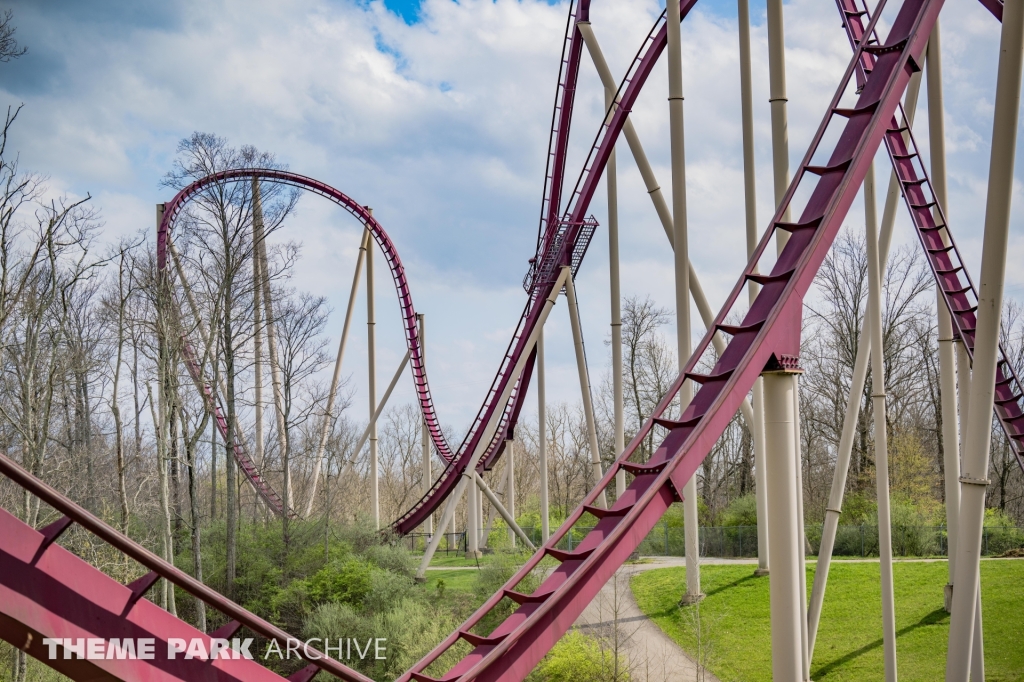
[
  {"x": 174, "y": 208},
  {"x": 768, "y": 334},
  {"x": 941, "y": 252}
]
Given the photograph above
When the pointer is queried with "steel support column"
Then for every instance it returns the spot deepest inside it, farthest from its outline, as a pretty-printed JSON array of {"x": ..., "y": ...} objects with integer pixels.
[
  {"x": 975, "y": 461},
  {"x": 881, "y": 440},
  {"x": 325, "y": 429},
  {"x": 777, "y": 99},
  {"x": 677, "y": 144},
  {"x": 588, "y": 404},
  {"x": 371, "y": 370},
  {"x": 542, "y": 439},
  {"x": 472, "y": 522},
  {"x": 780, "y": 390},
  {"x": 510, "y": 486},
  {"x": 750, "y": 206},
  {"x": 850, "y": 420},
  {"x": 428, "y": 525},
  {"x": 947, "y": 361}
]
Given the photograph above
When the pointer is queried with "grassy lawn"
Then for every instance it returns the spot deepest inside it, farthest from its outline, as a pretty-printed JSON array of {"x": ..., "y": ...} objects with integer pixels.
[
  {"x": 457, "y": 580},
  {"x": 440, "y": 559},
  {"x": 735, "y": 619}
]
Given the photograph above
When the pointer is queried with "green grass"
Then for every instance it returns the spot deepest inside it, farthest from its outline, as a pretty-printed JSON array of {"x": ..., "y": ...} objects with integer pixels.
[
  {"x": 460, "y": 581},
  {"x": 440, "y": 559},
  {"x": 735, "y": 618}
]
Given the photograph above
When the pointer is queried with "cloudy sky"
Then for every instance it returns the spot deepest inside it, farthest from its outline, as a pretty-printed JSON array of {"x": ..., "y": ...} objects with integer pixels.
[{"x": 436, "y": 113}]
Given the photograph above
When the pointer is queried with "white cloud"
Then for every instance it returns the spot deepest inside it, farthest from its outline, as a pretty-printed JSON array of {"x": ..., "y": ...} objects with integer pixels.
[{"x": 442, "y": 127}]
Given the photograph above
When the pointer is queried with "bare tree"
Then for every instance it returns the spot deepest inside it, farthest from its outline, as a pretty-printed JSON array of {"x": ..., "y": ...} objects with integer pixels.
[{"x": 9, "y": 48}]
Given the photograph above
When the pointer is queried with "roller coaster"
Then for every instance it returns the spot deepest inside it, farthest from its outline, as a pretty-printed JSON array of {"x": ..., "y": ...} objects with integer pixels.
[{"x": 48, "y": 592}]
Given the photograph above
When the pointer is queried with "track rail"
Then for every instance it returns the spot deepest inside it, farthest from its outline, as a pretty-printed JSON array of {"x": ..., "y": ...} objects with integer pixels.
[
  {"x": 174, "y": 208},
  {"x": 941, "y": 252},
  {"x": 769, "y": 332}
]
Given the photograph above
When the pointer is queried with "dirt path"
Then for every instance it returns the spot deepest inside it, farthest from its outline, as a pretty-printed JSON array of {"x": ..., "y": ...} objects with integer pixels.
[{"x": 651, "y": 654}]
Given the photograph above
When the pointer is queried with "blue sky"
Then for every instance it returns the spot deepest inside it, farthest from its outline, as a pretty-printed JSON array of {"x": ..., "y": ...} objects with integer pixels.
[{"x": 437, "y": 115}]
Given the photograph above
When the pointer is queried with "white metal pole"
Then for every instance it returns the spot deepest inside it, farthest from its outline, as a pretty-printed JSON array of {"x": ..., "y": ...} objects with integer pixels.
[
  {"x": 801, "y": 529},
  {"x": 677, "y": 145},
  {"x": 510, "y": 487},
  {"x": 500, "y": 508},
  {"x": 777, "y": 100},
  {"x": 372, "y": 425},
  {"x": 618, "y": 419},
  {"x": 750, "y": 204},
  {"x": 964, "y": 406},
  {"x": 947, "y": 362},
  {"x": 783, "y": 526},
  {"x": 975, "y": 460},
  {"x": 542, "y": 440},
  {"x": 492, "y": 424},
  {"x": 325, "y": 429},
  {"x": 428, "y": 525},
  {"x": 371, "y": 371},
  {"x": 472, "y": 523},
  {"x": 952, "y": 469},
  {"x": 588, "y": 405},
  {"x": 978, "y": 643},
  {"x": 881, "y": 441},
  {"x": 860, "y": 370}
]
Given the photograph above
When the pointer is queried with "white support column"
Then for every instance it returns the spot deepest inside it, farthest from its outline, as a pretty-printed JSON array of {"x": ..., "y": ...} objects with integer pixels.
[
  {"x": 371, "y": 371},
  {"x": 947, "y": 362},
  {"x": 542, "y": 441},
  {"x": 452, "y": 531},
  {"x": 777, "y": 100},
  {"x": 618, "y": 419},
  {"x": 783, "y": 526},
  {"x": 860, "y": 370},
  {"x": 510, "y": 486},
  {"x": 325, "y": 429},
  {"x": 750, "y": 205},
  {"x": 677, "y": 145},
  {"x": 428, "y": 525},
  {"x": 881, "y": 441},
  {"x": 975, "y": 460},
  {"x": 498, "y": 507},
  {"x": 802, "y": 531},
  {"x": 963, "y": 395},
  {"x": 472, "y": 522},
  {"x": 588, "y": 405}
]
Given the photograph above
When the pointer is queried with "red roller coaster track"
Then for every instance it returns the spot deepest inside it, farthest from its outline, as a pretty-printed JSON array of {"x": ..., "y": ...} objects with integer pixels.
[{"x": 45, "y": 591}]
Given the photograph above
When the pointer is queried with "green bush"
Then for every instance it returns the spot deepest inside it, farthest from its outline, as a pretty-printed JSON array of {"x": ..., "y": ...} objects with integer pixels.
[
  {"x": 387, "y": 590},
  {"x": 741, "y": 512},
  {"x": 578, "y": 658},
  {"x": 394, "y": 558},
  {"x": 347, "y": 582}
]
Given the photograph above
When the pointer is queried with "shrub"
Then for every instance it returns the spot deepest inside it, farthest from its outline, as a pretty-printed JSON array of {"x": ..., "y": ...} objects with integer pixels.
[
  {"x": 741, "y": 512},
  {"x": 347, "y": 582},
  {"x": 387, "y": 590},
  {"x": 392, "y": 558},
  {"x": 578, "y": 658}
]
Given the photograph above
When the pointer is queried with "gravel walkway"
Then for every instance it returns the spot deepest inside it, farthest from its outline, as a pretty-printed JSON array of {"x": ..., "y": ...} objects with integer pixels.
[{"x": 651, "y": 654}]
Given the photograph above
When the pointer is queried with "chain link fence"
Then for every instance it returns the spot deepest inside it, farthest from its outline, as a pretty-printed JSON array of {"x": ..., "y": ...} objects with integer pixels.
[{"x": 740, "y": 542}]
